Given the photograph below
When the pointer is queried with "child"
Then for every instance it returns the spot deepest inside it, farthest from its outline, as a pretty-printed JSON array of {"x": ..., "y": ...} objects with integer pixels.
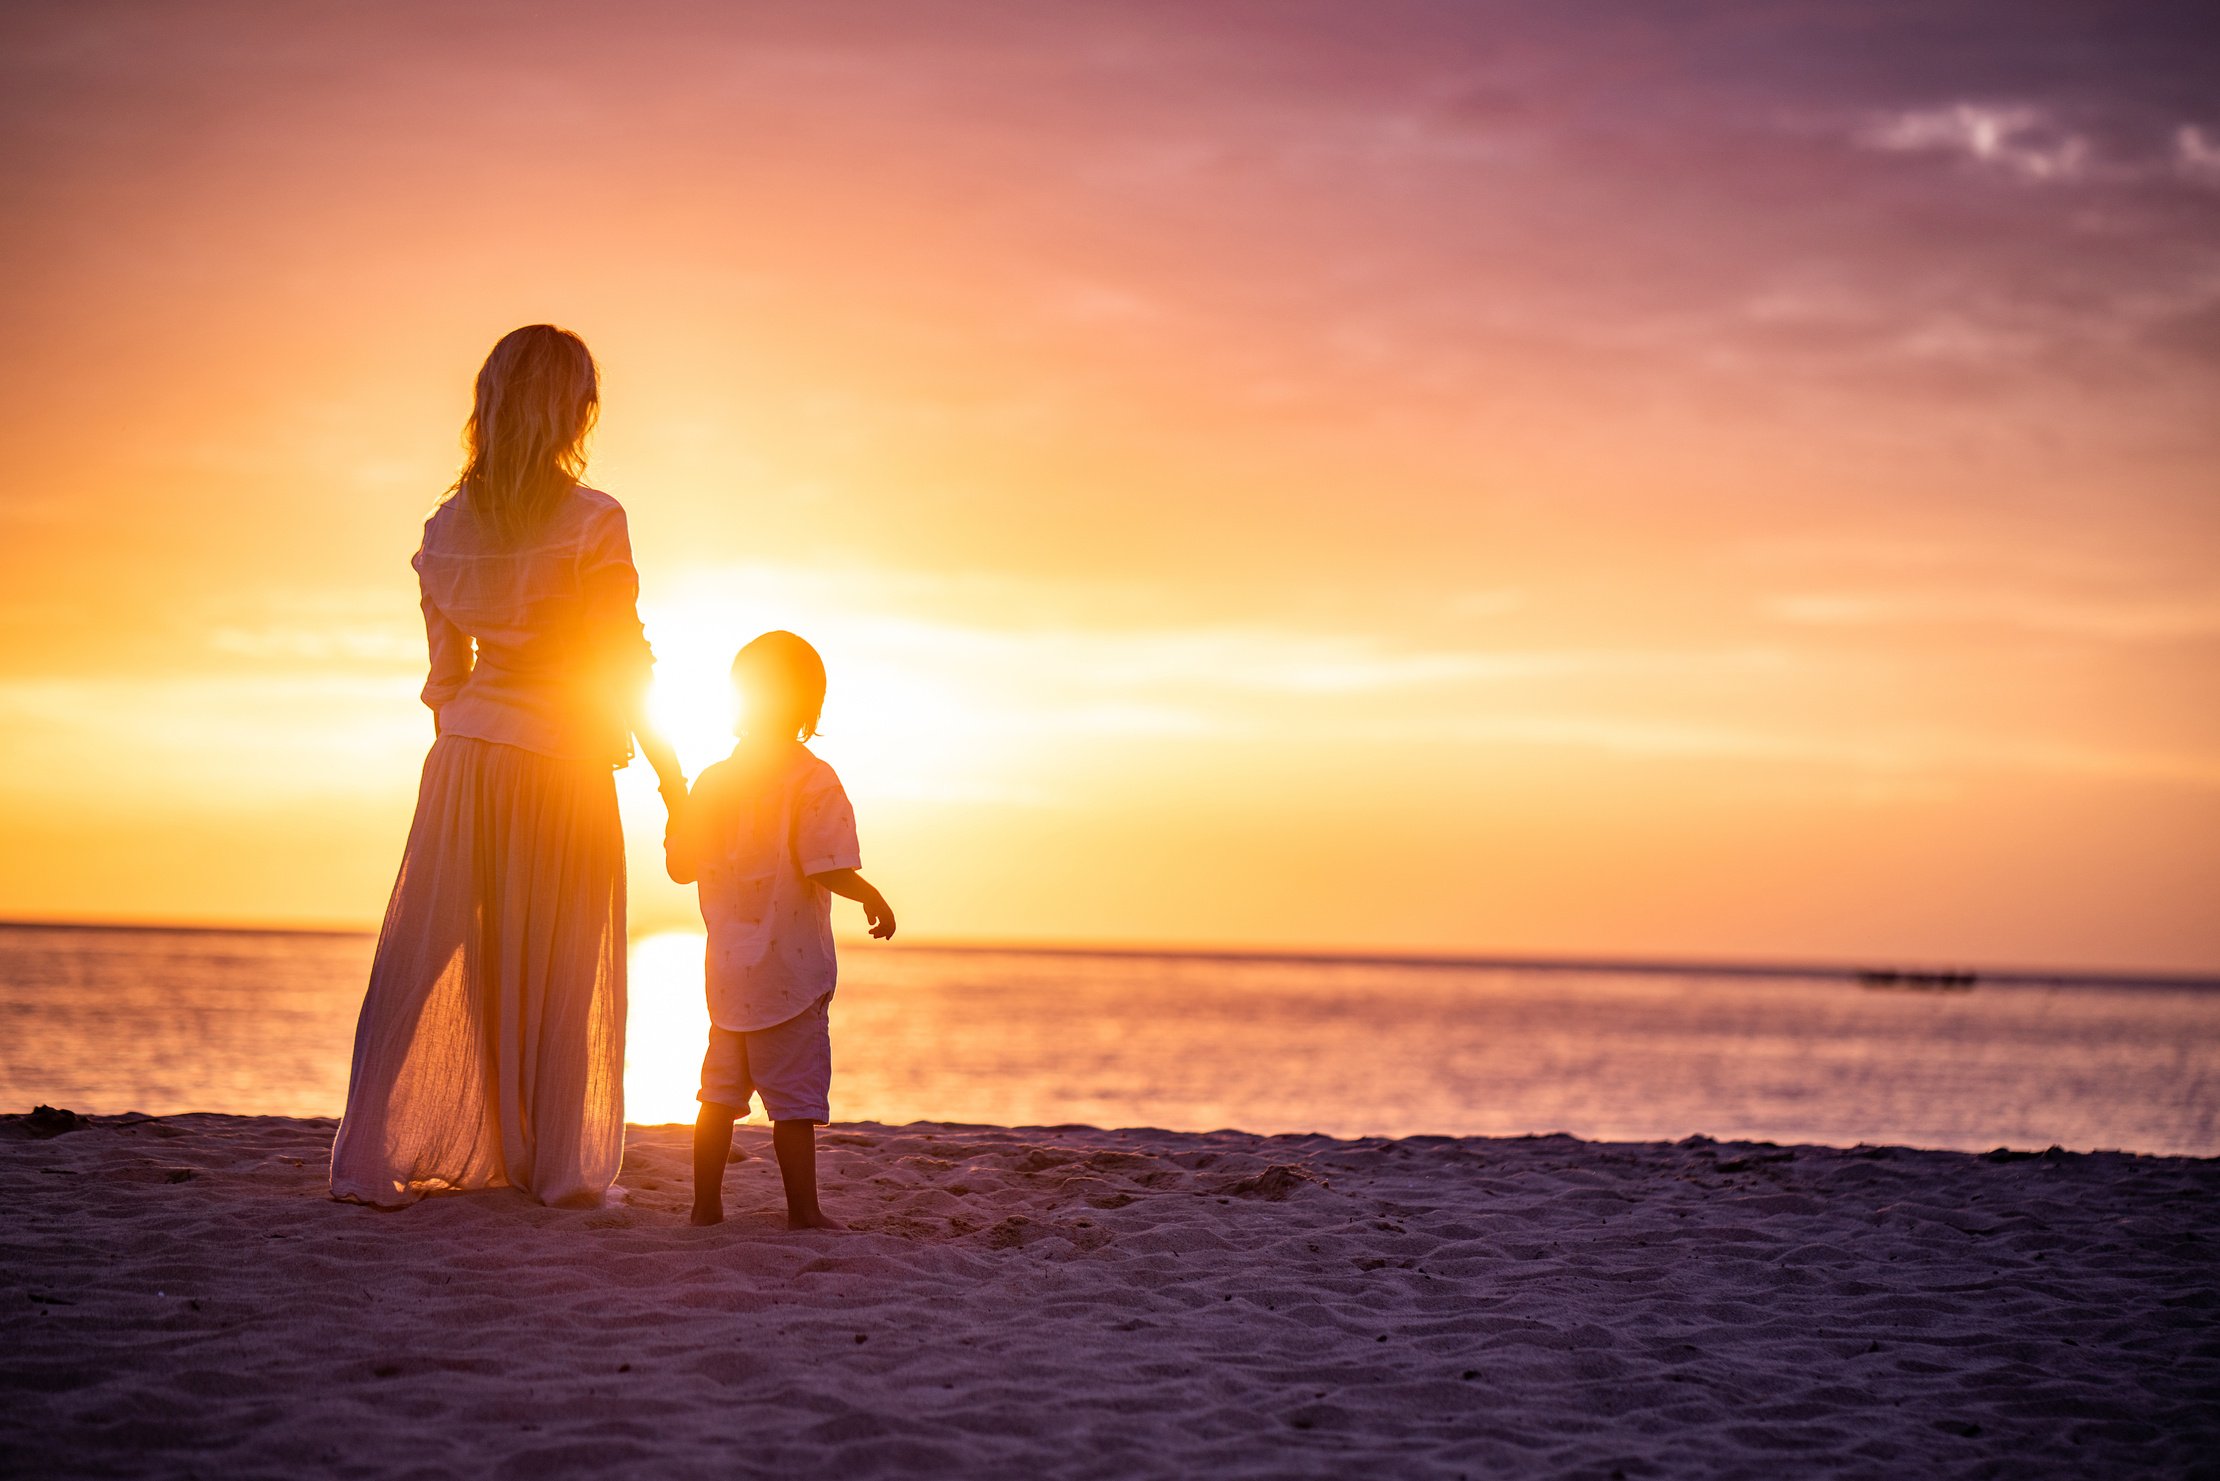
[{"x": 770, "y": 836}]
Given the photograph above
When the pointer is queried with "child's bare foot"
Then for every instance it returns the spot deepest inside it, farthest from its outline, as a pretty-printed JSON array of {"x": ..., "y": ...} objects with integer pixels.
[
  {"x": 795, "y": 1145},
  {"x": 712, "y": 1146}
]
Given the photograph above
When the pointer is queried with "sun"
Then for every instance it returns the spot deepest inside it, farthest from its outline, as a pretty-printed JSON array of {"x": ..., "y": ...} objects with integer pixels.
[
  {"x": 901, "y": 719},
  {"x": 691, "y": 701}
]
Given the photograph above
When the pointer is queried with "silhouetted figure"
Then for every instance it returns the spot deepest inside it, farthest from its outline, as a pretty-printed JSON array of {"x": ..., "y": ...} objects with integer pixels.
[
  {"x": 490, "y": 1049},
  {"x": 770, "y": 836}
]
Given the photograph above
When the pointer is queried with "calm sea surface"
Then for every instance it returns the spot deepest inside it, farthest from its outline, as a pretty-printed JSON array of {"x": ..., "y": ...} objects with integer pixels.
[{"x": 165, "y": 1021}]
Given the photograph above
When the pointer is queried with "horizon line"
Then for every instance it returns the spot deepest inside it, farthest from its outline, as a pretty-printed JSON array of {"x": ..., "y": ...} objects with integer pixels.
[{"x": 1663, "y": 966}]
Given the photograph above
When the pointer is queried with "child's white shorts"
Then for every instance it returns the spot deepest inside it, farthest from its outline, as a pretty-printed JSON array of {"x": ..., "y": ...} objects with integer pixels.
[{"x": 788, "y": 1064}]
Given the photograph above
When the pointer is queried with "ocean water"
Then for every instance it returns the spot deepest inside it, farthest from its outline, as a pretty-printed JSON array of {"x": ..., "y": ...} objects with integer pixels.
[{"x": 167, "y": 1021}]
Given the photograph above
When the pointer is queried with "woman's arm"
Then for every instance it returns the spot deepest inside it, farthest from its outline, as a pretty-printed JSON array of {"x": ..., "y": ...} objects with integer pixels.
[
  {"x": 669, "y": 780},
  {"x": 626, "y": 663},
  {"x": 452, "y": 657}
]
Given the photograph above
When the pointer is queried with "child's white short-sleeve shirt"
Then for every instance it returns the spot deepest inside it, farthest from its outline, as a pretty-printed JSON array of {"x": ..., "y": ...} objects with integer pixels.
[{"x": 757, "y": 828}]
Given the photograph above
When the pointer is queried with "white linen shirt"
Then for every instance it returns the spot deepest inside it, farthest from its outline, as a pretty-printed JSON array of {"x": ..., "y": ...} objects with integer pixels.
[
  {"x": 756, "y": 826},
  {"x": 536, "y": 645}
]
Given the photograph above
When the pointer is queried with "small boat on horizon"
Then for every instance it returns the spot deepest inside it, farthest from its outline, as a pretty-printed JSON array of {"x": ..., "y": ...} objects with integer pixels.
[{"x": 1890, "y": 978}]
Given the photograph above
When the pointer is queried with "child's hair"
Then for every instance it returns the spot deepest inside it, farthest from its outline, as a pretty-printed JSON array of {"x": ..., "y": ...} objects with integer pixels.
[{"x": 782, "y": 686}]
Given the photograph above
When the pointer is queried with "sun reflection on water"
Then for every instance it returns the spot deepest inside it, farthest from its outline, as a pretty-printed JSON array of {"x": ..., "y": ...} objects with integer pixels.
[{"x": 666, "y": 1030}]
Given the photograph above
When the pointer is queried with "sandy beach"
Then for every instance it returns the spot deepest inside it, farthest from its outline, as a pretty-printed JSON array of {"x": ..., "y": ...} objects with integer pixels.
[{"x": 183, "y": 1299}]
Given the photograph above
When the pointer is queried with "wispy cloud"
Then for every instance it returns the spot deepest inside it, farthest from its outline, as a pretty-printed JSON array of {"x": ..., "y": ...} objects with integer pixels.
[
  {"x": 1060, "y": 634},
  {"x": 184, "y": 740},
  {"x": 385, "y": 643},
  {"x": 2015, "y": 138},
  {"x": 2133, "y": 619},
  {"x": 1924, "y": 755},
  {"x": 344, "y": 630},
  {"x": 2198, "y": 152},
  {"x": 1277, "y": 661}
]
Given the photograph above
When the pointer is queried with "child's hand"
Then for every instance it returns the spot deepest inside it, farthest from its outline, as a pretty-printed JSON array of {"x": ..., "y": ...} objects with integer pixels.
[
  {"x": 677, "y": 854},
  {"x": 849, "y": 885},
  {"x": 881, "y": 918}
]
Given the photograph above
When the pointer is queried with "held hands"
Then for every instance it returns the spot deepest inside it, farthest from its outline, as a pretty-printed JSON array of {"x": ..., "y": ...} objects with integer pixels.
[
  {"x": 670, "y": 784},
  {"x": 672, "y": 788},
  {"x": 669, "y": 779}
]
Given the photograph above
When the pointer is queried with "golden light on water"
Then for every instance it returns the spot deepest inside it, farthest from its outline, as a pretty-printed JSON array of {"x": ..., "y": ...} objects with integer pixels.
[{"x": 667, "y": 1029}]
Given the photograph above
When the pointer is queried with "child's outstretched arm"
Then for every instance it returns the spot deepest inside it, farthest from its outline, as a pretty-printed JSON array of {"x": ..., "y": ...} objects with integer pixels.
[{"x": 850, "y": 885}]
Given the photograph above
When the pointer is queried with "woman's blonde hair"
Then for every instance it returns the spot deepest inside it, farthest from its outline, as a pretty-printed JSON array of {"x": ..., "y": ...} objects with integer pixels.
[{"x": 537, "y": 397}]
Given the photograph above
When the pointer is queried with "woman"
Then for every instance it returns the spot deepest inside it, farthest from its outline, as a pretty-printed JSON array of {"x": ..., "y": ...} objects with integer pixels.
[{"x": 491, "y": 1046}]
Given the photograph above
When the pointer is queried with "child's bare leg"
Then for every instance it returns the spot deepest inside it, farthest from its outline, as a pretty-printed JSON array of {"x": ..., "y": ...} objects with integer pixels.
[
  {"x": 796, "y": 1145},
  {"x": 712, "y": 1142}
]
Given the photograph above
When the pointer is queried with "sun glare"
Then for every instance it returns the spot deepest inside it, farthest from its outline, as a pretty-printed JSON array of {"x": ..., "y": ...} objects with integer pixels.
[
  {"x": 665, "y": 1029},
  {"x": 697, "y": 718},
  {"x": 897, "y": 722}
]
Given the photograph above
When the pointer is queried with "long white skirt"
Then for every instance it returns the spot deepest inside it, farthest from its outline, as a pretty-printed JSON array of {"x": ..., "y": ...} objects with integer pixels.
[{"x": 491, "y": 1046}]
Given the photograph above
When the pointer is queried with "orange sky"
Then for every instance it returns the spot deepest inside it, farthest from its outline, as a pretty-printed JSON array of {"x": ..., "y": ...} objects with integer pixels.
[{"x": 1443, "y": 477}]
